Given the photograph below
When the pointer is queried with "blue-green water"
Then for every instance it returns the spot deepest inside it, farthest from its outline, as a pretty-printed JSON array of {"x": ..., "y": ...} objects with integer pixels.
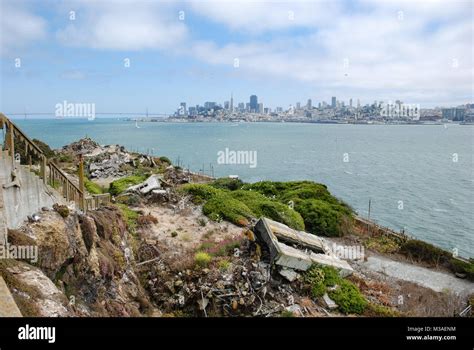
[{"x": 407, "y": 172}]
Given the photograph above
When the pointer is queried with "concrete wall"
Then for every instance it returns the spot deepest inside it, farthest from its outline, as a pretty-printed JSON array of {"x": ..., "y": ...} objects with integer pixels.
[{"x": 29, "y": 198}]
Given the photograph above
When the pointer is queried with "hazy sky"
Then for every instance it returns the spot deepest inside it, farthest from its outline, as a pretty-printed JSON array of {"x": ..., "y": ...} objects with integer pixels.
[{"x": 196, "y": 51}]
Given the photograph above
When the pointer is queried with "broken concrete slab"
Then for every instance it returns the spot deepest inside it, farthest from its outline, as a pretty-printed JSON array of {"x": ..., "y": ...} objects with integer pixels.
[
  {"x": 286, "y": 234},
  {"x": 272, "y": 233},
  {"x": 292, "y": 257},
  {"x": 150, "y": 184},
  {"x": 331, "y": 260}
]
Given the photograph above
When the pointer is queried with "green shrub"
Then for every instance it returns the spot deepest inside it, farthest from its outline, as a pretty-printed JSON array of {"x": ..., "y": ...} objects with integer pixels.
[
  {"x": 92, "y": 187},
  {"x": 323, "y": 218},
  {"x": 226, "y": 183},
  {"x": 200, "y": 192},
  {"x": 348, "y": 297},
  {"x": 223, "y": 206},
  {"x": 315, "y": 208},
  {"x": 118, "y": 186},
  {"x": 65, "y": 158},
  {"x": 423, "y": 251},
  {"x": 315, "y": 278},
  {"x": 165, "y": 160},
  {"x": 202, "y": 259},
  {"x": 263, "y": 206},
  {"x": 376, "y": 310},
  {"x": 459, "y": 266}
]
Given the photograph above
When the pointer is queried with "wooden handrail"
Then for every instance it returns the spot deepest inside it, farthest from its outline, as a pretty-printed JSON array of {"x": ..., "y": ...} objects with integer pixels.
[
  {"x": 71, "y": 191},
  {"x": 16, "y": 129}
]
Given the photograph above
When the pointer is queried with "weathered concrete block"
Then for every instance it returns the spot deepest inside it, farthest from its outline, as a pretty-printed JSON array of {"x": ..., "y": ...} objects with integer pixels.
[{"x": 330, "y": 260}]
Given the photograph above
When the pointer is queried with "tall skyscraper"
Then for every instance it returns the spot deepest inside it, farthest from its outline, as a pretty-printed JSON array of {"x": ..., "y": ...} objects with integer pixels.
[
  {"x": 350, "y": 102},
  {"x": 231, "y": 102},
  {"x": 253, "y": 103},
  {"x": 309, "y": 105},
  {"x": 333, "y": 102},
  {"x": 182, "y": 109},
  {"x": 260, "y": 107}
]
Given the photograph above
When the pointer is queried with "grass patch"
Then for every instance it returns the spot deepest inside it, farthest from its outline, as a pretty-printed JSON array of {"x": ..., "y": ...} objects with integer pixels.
[
  {"x": 376, "y": 310},
  {"x": 202, "y": 259},
  {"x": 131, "y": 216},
  {"x": 225, "y": 247},
  {"x": 382, "y": 244},
  {"x": 223, "y": 264},
  {"x": 118, "y": 186},
  {"x": 92, "y": 187}
]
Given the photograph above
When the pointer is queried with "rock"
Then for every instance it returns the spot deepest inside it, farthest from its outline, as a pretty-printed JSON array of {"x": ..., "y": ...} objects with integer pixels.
[
  {"x": 289, "y": 274},
  {"x": 329, "y": 302}
]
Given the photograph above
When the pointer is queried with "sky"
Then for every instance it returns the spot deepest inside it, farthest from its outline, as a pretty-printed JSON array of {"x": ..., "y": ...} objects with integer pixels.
[{"x": 130, "y": 56}]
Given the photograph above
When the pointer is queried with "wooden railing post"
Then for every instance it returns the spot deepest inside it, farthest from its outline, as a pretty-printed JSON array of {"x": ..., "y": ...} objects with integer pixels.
[
  {"x": 81, "y": 183},
  {"x": 10, "y": 140},
  {"x": 43, "y": 169}
]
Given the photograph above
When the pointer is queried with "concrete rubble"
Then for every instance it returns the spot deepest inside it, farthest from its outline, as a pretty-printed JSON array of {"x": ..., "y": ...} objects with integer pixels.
[
  {"x": 296, "y": 250},
  {"x": 330, "y": 304},
  {"x": 107, "y": 161},
  {"x": 153, "y": 183}
]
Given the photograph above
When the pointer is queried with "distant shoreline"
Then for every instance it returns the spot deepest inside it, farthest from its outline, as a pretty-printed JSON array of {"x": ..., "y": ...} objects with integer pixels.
[{"x": 165, "y": 120}]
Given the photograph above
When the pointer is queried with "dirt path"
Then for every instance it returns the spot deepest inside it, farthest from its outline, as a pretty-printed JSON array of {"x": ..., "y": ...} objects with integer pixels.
[{"x": 435, "y": 280}]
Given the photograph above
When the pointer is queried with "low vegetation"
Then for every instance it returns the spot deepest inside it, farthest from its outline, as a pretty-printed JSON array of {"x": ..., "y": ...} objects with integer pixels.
[
  {"x": 382, "y": 244},
  {"x": 325, "y": 279},
  {"x": 92, "y": 187},
  {"x": 302, "y": 205},
  {"x": 433, "y": 256},
  {"x": 202, "y": 259},
  {"x": 118, "y": 186},
  {"x": 131, "y": 217}
]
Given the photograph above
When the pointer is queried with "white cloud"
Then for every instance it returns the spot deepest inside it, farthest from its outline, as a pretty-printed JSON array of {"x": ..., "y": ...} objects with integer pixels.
[
  {"x": 18, "y": 28},
  {"x": 261, "y": 16},
  {"x": 388, "y": 58},
  {"x": 123, "y": 25}
]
